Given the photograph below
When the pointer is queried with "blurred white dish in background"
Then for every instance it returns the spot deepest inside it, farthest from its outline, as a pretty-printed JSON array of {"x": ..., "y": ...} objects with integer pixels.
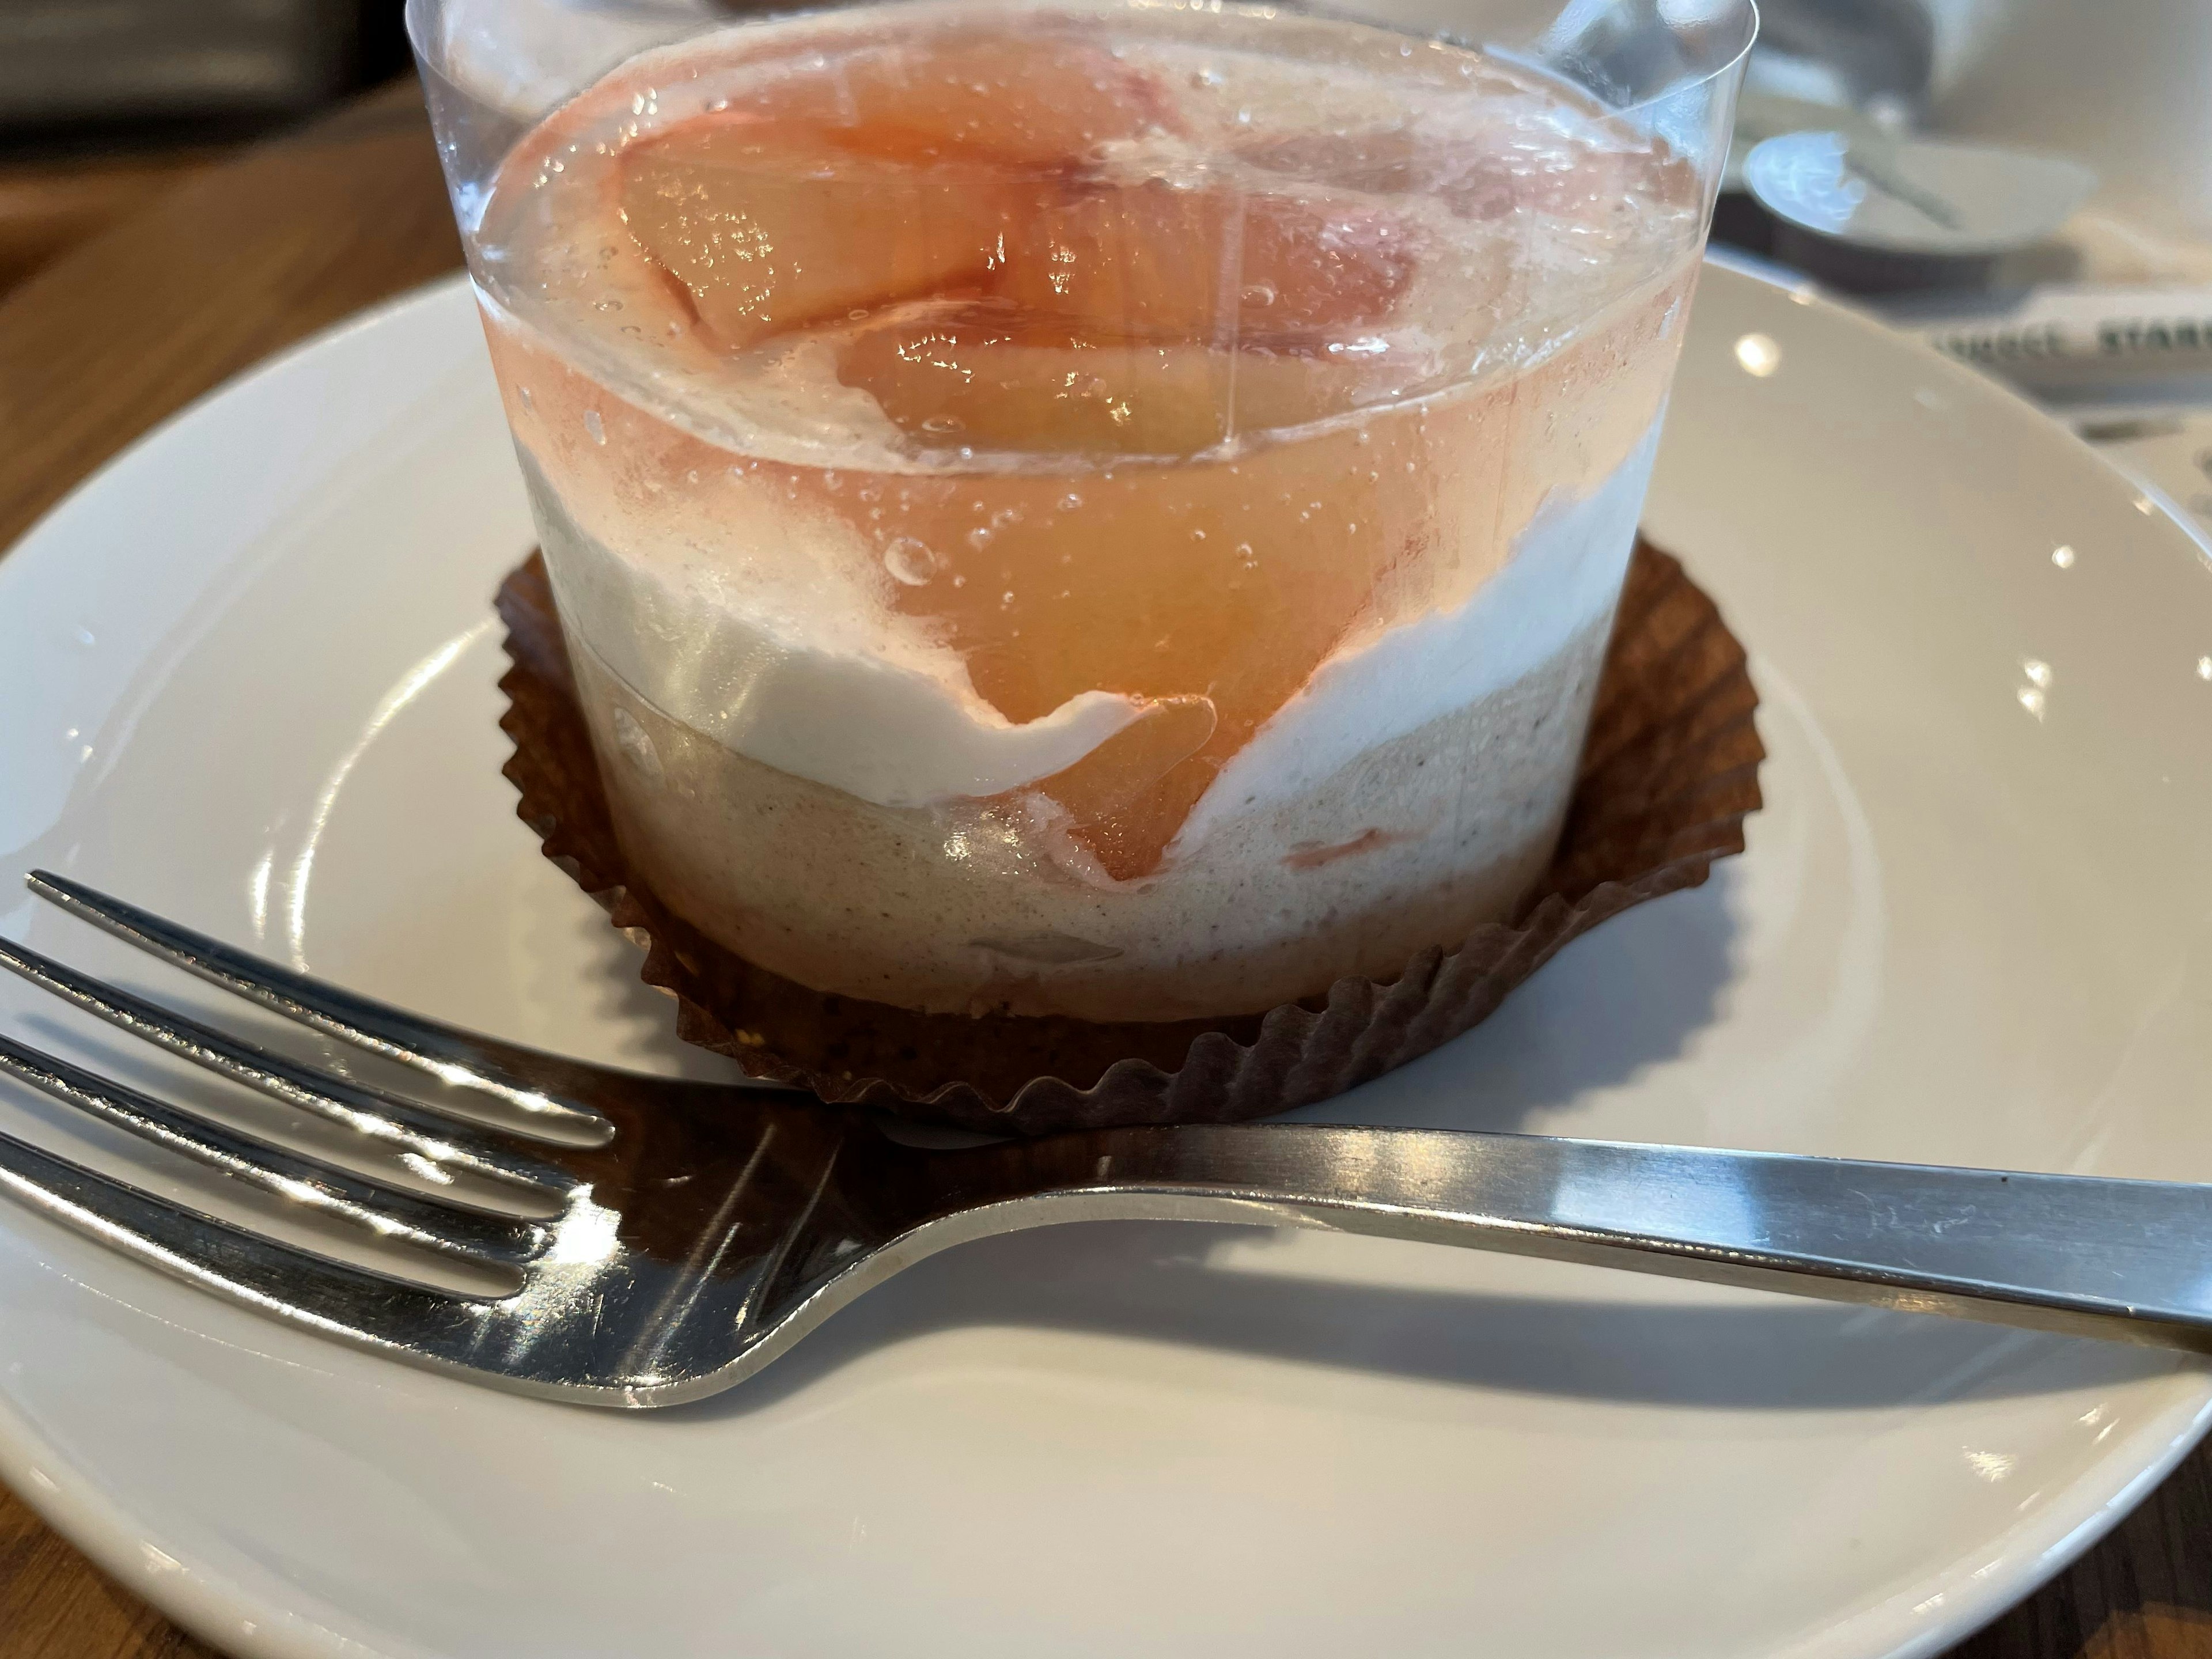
[{"x": 2122, "y": 86}]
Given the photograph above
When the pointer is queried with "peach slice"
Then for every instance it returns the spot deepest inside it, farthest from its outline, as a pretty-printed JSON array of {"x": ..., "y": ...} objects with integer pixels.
[
  {"x": 1160, "y": 261},
  {"x": 883, "y": 177},
  {"x": 982, "y": 375},
  {"x": 1473, "y": 164},
  {"x": 766, "y": 233},
  {"x": 1112, "y": 796},
  {"x": 1021, "y": 104}
]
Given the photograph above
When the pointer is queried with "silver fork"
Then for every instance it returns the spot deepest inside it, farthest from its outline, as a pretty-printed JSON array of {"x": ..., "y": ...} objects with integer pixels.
[{"x": 671, "y": 1239}]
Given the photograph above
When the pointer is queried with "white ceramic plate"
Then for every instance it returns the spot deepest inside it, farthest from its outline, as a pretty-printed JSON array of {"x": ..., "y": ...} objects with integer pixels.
[{"x": 247, "y": 677}]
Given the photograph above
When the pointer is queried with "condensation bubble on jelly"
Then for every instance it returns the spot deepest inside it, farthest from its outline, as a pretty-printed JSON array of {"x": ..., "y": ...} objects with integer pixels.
[
  {"x": 595, "y": 426},
  {"x": 910, "y": 562},
  {"x": 636, "y": 744}
]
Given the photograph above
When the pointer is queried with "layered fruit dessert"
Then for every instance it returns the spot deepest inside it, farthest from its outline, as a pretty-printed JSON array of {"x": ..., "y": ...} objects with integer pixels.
[{"x": 1111, "y": 512}]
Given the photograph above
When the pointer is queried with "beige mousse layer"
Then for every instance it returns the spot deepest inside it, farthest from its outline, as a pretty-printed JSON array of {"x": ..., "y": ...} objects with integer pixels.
[{"x": 952, "y": 909}]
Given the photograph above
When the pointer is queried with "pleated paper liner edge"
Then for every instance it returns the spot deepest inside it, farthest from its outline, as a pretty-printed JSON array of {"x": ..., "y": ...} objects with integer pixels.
[{"x": 1668, "y": 773}]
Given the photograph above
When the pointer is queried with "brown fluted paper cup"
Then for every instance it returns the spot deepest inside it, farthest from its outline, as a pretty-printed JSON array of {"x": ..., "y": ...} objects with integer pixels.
[{"x": 1668, "y": 773}]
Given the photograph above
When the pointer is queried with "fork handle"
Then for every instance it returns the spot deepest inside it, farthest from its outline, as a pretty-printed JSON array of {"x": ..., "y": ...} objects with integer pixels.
[{"x": 2080, "y": 1254}]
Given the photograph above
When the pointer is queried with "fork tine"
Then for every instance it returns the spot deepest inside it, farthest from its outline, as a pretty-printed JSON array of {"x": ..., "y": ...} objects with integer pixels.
[
  {"x": 549, "y": 1088},
  {"x": 333, "y": 1298},
  {"x": 421, "y": 1131},
  {"x": 388, "y": 1212}
]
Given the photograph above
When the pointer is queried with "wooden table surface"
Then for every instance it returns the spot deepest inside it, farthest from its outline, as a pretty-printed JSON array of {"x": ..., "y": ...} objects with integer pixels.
[{"x": 245, "y": 259}]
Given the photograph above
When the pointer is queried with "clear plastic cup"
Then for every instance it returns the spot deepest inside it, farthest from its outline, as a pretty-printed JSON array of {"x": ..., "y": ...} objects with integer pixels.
[{"x": 1102, "y": 509}]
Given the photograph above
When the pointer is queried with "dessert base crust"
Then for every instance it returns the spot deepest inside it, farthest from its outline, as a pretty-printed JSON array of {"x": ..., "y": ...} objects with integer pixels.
[{"x": 1669, "y": 772}]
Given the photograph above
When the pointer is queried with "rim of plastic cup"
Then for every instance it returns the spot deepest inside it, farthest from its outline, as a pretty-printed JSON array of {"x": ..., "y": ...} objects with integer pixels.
[{"x": 1675, "y": 16}]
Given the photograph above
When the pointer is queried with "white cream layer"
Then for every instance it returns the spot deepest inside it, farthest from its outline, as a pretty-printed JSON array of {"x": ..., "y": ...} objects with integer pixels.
[
  {"x": 827, "y": 683},
  {"x": 795, "y": 659}
]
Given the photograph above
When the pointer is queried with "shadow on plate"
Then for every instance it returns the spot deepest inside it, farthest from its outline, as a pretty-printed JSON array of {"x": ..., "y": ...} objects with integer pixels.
[{"x": 1627, "y": 996}]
